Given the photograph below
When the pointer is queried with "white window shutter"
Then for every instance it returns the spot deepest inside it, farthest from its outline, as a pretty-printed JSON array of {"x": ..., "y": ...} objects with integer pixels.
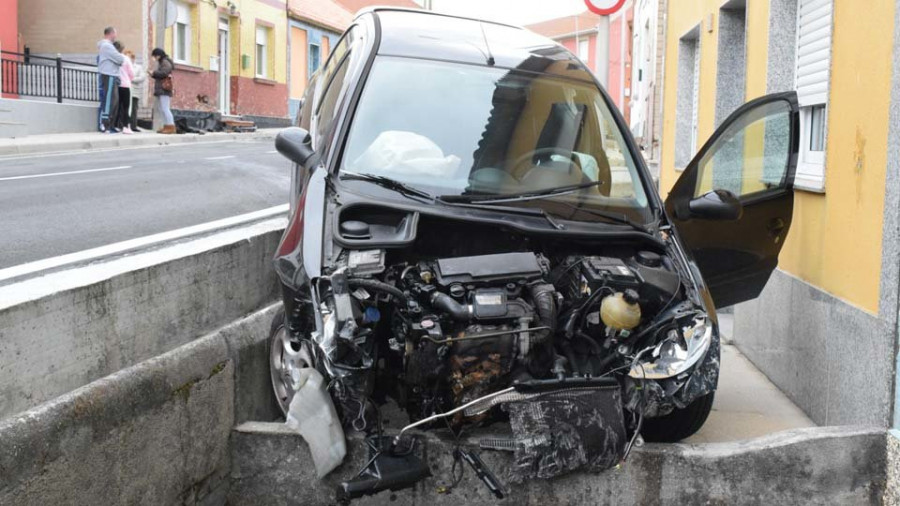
[
  {"x": 183, "y": 14},
  {"x": 261, "y": 35},
  {"x": 813, "y": 51}
]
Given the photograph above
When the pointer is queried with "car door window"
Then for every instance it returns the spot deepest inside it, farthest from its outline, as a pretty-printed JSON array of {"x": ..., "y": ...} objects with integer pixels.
[
  {"x": 331, "y": 84},
  {"x": 751, "y": 156}
]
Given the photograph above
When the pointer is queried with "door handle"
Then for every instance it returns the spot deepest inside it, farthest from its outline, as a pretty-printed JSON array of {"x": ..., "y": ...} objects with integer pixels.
[{"x": 775, "y": 228}]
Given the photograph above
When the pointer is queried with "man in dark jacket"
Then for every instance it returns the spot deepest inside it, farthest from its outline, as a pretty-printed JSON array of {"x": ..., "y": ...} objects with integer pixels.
[{"x": 108, "y": 62}]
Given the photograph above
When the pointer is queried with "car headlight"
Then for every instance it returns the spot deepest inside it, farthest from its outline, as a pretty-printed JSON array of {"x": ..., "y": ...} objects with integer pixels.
[{"x": 675, "y": 355}]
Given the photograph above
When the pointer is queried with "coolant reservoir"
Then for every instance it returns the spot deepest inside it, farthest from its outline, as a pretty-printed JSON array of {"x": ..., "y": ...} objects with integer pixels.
[{"x": 620, "y": 311}]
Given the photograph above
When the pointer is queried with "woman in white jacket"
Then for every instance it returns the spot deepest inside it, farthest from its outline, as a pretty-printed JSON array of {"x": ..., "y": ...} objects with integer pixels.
[{"x": 137, "y": 89}]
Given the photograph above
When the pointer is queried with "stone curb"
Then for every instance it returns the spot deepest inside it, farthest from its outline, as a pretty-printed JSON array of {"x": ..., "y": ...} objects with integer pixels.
[{"x": 35, "y": 145}]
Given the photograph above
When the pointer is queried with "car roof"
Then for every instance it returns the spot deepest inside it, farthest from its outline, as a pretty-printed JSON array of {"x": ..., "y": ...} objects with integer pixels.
[{"x": 428, "y": 35}]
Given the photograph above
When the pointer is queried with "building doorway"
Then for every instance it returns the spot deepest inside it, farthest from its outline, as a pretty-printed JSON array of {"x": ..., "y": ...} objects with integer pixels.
[{"x": 224, "y": 70}]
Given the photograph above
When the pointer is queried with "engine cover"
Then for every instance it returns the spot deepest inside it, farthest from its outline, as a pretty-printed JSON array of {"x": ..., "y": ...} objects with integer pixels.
[{"x": 484, "y": 269}]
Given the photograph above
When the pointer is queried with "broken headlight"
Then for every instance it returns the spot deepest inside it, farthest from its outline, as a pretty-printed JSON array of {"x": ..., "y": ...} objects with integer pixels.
[{"x": 677, "y": 352}]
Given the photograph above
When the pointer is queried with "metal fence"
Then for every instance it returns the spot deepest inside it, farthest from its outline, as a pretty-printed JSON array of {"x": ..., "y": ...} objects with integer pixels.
[{"x": 37, "y": 76}]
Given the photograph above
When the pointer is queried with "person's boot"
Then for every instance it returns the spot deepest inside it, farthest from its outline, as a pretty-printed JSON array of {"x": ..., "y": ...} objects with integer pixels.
[{"x": 168, "y": 129}]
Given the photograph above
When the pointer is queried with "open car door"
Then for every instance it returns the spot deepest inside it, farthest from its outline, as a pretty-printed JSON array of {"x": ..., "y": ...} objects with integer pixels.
[{"x": 732, "y": 206}]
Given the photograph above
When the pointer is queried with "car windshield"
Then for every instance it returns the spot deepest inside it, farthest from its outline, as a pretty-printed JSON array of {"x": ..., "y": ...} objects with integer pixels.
[{"x": 455, "y": 129}]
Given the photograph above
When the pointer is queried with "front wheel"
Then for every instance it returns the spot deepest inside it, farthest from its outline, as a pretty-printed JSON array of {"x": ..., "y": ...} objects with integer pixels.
[
  {"x": 287, "y": 356},
  {"x": 680, "y": 423}
]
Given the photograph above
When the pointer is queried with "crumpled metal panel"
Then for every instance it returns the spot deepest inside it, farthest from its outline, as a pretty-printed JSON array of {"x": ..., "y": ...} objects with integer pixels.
[
  {"x": 659, "y": 398},
  {"x": 567, "y": 430}
]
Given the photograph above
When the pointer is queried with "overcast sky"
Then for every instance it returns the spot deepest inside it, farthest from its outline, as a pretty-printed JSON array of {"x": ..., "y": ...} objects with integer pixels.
[{"x": 517, "y": 12}]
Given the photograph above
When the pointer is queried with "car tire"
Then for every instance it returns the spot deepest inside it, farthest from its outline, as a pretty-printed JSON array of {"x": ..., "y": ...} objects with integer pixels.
[
  {"x": 284, "y": 355},
  {"x": 680, "y": 423}
]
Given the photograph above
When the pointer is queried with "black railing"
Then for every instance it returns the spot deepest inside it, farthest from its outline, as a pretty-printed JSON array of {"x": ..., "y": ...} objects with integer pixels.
[{"x": 38, "y": 76}]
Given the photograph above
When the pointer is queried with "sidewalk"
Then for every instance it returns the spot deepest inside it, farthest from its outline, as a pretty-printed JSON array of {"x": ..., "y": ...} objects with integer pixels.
[
  {"x": 56, "y": 143},
  {"x": 747, "y": 404}
]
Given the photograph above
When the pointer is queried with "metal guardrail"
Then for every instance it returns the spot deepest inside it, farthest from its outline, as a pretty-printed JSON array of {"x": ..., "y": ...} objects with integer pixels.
[{"x": 38, "y": 76}]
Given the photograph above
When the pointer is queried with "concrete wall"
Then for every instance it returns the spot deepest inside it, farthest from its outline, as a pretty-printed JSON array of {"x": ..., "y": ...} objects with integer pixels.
[
  {"x": 154, "y": 433},
  {"x": 32, "y": 117},
  {"x": 827, "y": 465},
  {"x": 62, "y": 331}
]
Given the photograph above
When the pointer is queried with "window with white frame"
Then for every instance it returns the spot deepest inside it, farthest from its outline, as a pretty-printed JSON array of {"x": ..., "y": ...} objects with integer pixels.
[
  {"x": 811, "y": 80},
  {"x": 262, "y": 48},
  {"x": 584, "y": 49},
  {"x": 181, "y": 34}
]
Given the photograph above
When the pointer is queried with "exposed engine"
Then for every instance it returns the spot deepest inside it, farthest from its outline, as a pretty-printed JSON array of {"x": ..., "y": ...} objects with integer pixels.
[{"x": 518, "y": 336}]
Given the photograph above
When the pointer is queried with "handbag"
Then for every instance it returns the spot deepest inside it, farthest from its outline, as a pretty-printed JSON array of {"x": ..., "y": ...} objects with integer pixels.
[{"x": 168, "y": 84}]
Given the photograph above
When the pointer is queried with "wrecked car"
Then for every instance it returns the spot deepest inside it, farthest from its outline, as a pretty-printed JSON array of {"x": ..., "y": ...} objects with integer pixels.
[{"x": 475, "y": 238}]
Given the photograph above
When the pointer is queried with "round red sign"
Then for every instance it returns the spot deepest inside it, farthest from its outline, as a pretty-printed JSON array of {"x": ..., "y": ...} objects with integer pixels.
[{"x": 604, "y": 7}]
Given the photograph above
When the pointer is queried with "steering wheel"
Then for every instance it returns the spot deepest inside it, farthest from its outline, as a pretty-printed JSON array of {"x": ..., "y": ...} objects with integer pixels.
[{"x": 553, "y": 150}]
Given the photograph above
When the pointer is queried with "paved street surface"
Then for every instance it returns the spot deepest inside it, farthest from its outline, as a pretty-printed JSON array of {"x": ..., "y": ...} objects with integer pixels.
[{"x": 51, "y": 205}]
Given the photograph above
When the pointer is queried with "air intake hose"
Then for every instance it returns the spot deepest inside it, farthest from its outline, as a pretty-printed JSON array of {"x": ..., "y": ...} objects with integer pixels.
[
  {"x": 446, "y": 303},
  {"x": 545, "y": 304}
]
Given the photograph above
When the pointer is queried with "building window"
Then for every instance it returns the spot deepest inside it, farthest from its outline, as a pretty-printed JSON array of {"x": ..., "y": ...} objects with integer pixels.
[
  {"x": 811, "y": 76},
  {"x": 262, "y": 48},
  {"x": 687, "y": 103},
  {"x": 314, "y": 56},
  {"x": 583, "y": 49},
  {"x": 181, "y": 43}
]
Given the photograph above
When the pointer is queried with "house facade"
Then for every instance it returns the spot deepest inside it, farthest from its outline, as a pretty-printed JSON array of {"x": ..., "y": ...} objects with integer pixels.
[
  {"x": 230, "y": 55},
  {"x": 603, "y": 43},
  {"x": 824, "y": 329},
  {"x": 648, "y": 55},
  {"x": 230, "y": 59},
  {"x": 315, "y": 27}
]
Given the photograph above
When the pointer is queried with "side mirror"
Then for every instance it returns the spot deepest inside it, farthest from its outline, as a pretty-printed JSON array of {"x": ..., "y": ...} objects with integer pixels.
[
  {"x": 716, "y": 205},
  {"x": 295, "y": 144}
]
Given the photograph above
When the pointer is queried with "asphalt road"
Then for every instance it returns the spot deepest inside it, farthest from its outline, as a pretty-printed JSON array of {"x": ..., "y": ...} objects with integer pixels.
[{"x": 57, "y": 204}]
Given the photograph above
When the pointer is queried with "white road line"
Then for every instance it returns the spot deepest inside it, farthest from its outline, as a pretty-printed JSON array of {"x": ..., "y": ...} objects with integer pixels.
[
  {"x": 219, "y": 157},
  {"x": 51, "y": 174},
  {"x": 141, "y": 242},
  {"x": 270, "y": 152}
]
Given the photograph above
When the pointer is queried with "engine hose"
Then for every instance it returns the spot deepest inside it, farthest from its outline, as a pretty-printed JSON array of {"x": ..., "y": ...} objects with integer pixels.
[
  {"x": 378, "y": 286},
  {"x": 545, "y": 305},
  {"x": 595, "y": 346},
  {"x": 449, "y": 305},
  {"x": 567, "y": 351}
]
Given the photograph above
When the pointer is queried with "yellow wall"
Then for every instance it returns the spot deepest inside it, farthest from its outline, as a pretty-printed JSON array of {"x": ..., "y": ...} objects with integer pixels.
[
  {"x": 835, "y": 238},
  {"x": 205, "y": 33}
]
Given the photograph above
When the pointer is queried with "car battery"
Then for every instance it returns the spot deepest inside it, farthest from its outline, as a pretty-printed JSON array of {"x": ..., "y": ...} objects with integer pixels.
[{"x": 608, "y": 271}]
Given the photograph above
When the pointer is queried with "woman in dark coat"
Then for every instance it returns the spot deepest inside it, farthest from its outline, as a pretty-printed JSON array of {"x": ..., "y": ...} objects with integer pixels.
[{"x": 164, "y": 68}]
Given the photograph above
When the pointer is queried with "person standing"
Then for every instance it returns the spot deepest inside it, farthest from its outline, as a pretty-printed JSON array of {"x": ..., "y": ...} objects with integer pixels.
[
  {"x": 137, "y": 89},
  {"x": 108, "y": 62},
  {"x": 126, "y": 75},
  {"x": 163, "y": 89}
]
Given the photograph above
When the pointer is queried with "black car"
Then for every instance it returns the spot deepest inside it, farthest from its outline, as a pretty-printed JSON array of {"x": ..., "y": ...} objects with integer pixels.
[{"x": 475, "y": 237}]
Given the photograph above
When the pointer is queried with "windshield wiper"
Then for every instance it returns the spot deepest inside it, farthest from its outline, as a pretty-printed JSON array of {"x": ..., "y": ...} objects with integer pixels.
[
  {"x": 519, "y": 197},
  {"x": 388, "y": 183},
  {"x": 615, "y": 217},
  {"x": 506, "y": 209}
]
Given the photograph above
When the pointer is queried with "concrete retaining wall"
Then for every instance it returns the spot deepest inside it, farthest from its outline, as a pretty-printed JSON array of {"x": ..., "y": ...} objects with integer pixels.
[
  {"x": 62, "y": 331},
  {"x": 154, "y": 433},
  {"x": 38, "y": 117},
  {"x": 827, "y": 465}
]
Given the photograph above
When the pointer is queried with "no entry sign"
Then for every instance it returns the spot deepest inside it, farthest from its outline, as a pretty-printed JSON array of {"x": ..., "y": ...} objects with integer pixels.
[{"x": 604, "y": 7}]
